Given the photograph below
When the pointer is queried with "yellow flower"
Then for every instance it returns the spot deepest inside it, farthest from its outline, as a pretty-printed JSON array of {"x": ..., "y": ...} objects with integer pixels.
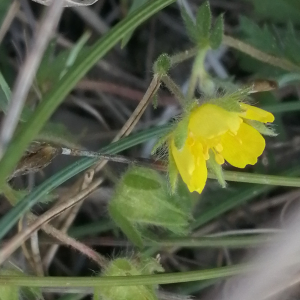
[{"x": 227, "y": 135}]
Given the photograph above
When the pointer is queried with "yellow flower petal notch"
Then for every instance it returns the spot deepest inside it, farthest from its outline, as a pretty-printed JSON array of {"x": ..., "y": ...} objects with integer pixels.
[{"x": 214, "y": 133}]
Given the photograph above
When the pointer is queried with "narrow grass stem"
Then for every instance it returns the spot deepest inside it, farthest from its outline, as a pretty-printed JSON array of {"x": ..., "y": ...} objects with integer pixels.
[
  {"x": 165, "y": 278},
  {"x": 260, "y": 179}
]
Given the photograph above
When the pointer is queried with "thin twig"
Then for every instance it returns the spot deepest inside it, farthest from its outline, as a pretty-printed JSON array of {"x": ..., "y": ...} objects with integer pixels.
[
  {"x": 17, "y": 240},
  {"x": 36, "y": 255},
  {"x": 9, "y": 17},
  {"x": 136, "y": 115},
  {"x": 68, "y": 216},
  {"x": 27, "y": 73}
]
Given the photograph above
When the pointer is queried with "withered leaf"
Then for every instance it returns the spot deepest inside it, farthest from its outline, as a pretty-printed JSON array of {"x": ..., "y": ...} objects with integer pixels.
[{"x": 37, "y": 156}]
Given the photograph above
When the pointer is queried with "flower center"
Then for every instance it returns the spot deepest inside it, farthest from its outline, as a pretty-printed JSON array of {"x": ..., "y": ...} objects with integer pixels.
[{"x": 214, "y": 144}]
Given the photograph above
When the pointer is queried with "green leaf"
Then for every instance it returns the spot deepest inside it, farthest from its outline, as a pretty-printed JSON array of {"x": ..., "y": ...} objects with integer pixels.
[
  {"x": 291, "y": 44},
  {"x": 125, "y": 225},
  {"x": 203, "y": 22},
  {"x": 4, "y": 5},
  {"x": 181, "y": 132},
  {"x": 146, "y": 207},
  {"x": 277, "y": 10},
  {"x": 9, "y": 293},
  {"x": 216, "y": 169},
  {"x": 5, "y": 97},
  {"x": 139, "y": 181},
  {"x": 5, "y": 94},
  {"x": 261, "y": 127},
  {"x": 172, "y": 172},
  {"x": 217, "y": 32},
  {"x": 74, "y": 53},
  {"x": 231, "y": 100},
  {"x": 134, "y": 266},
  {"x": 261, "y": 38},
  {"x": 189, "y": 25}
]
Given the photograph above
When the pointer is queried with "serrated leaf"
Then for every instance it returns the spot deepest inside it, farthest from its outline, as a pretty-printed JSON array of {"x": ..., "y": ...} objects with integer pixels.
[
  {"x": 277, "y": 10},
  {"x": 125, "y": 225},
  {"x": 134, "y": 6},
  {"x": 216, "y": 34},
  {"x": 189, "y": 25},
  {"x": 291, "y": 45},
  {"x": 261, "y": 38},
  {"x": 203, "y": 22}
]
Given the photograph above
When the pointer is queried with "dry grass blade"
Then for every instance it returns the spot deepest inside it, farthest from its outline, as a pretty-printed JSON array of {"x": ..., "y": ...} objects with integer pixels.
[
  {"x": 27, "y": 73},
  {"x": 18, "y": 239},
  {"x": 68, "y": 3},
  {"x": 69, "y": 216},
  {"x": 14, "y": 7}
]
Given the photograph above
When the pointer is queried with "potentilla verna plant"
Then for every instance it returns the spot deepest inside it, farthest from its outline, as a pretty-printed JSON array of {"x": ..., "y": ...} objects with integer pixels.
[{"x": 214, "y": 133}]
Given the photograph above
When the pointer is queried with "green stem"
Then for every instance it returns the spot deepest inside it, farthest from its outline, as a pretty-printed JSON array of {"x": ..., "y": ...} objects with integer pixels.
[
  {"x": 182, "y": 56},
  {"x": 174, "y": 89},
  {"x": 198, "y": 66},
  {"x": 260, "y": 179},
  {"x": 215, "y": 242},
  {"x": 165, "y": 278}
]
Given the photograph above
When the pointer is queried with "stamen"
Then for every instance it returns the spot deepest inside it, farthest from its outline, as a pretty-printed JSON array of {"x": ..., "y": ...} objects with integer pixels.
[
  {"x": 205, "y": 152},
  {"x": 219, "y": 147},
  {"x": 206, "y": 156},
  {"x": 219, "y": 158},
  {"x": 190, "y": 141}
]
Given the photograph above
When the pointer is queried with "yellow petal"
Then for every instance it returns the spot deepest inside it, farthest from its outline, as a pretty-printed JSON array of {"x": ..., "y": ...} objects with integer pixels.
[
  {"x": 244, "y": 148},
  {"x": 208, "y": 121},
  {"x": 256, "y": 114},
  {"x": 191, "y": 165}
]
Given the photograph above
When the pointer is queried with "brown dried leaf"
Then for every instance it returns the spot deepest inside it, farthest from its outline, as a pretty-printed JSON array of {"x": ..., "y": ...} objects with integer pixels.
[{"x": 37, "y": 156}]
